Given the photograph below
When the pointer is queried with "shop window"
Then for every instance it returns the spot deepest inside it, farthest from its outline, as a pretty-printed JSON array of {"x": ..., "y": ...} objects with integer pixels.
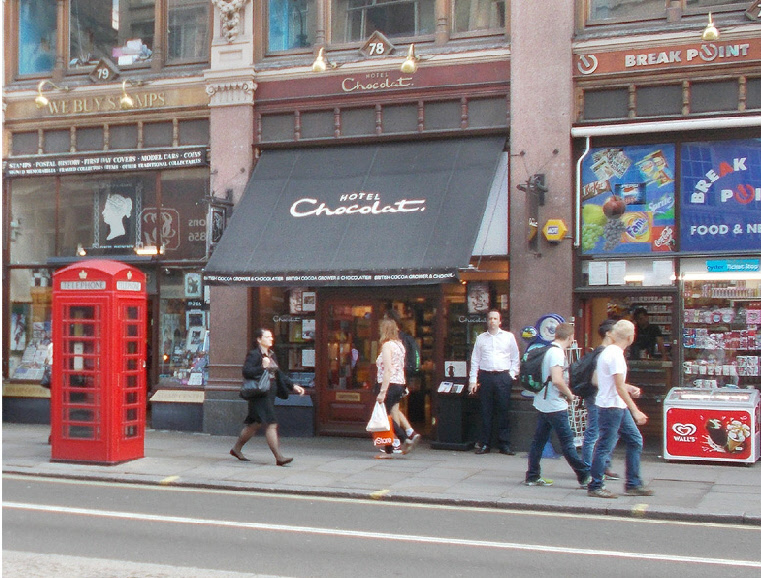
[
  {"x": 182, "y": 224},
  {"x": 157, "y": 134},
  {"x": 25, "y": 143},
  {"x": 37, "y": 36},
  {"x": 443, "y": 115},
  {"x": 183, "y": 326},
  {"x": 277, "y": 127},
  {"x": 473, "y": 15},
  {"x": 713, "y": 96},
  {"x": 606, "y": 104},
  {"x": 121, "y": 30},
  {"x": 317, "y": 124},
  {"x": 753, "y": 93},
  {"x": 57, "y": 141},
  {"x": 601, "y": 10},
  {"x": 30, "y": 309},
  {"x": 659, "y": 100},
  {"x": 357, "y": 121},
  {"x": 355, "y": 20},
  {"x": 90, "y": 139},
  {"x": 292, "y": 24},
  {"x": 629, "y": 272},
  {"x": 400, "y": 118},
  {"x": 194, "y": 132},
  {"x": 487, "y": 112},
  {"x": 188, "y": 30},
  {"x": 33, "y": 207},
  {"x": 123, "y": 137},
  {"x": 722, "y": 311}
]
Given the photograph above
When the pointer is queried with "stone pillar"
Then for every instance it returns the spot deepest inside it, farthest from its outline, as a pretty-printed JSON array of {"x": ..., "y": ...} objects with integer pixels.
[
  {"x": 231, "y": 89},
  {"x": 541, "y": 109}
]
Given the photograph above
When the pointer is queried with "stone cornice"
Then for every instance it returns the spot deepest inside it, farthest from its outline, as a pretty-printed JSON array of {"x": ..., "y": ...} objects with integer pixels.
[{"x": 231, "y": 93}]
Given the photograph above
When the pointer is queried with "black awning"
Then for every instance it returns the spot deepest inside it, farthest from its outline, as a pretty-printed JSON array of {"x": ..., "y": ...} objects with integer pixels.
[{"x": 386, "y": 214}]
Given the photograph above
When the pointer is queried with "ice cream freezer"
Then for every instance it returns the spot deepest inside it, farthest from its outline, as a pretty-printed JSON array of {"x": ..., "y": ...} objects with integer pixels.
[{"x": 712, "y": 425}]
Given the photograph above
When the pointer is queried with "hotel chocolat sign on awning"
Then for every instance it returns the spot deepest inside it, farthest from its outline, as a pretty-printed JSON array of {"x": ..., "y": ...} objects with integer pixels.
[
  {"x": 104, "y": 162},
  {"x": 667, "y": 57}
]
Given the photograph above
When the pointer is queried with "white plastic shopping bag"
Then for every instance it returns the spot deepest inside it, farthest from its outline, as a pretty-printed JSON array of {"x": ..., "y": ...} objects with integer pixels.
[{"x": 379, "y": 420}]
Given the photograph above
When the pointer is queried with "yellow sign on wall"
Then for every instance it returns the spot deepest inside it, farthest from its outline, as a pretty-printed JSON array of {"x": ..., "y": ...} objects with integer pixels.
[{"x": 554, "y": 230}]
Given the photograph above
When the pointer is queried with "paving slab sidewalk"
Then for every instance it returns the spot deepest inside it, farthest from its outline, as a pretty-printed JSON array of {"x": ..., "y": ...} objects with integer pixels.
[{"x": 347, "y": 467}]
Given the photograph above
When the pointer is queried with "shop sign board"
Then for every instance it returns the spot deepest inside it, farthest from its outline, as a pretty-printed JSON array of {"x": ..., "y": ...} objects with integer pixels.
[
  {"x": 628, "y": 199},
  {"x": 720, "y": 196},
  {"x": 590, "y": 64},
  {"x": 733, "y": 265}
]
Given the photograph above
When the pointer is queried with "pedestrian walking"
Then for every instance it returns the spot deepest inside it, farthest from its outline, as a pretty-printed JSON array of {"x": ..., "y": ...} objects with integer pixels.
[
  {"x": 618, "y": 416},
  {"x": 494, "y": 366},
  {"x": 552, "y": 404},
  {"x": 391, "y": 378},
  {"x": 261, "y": 410}
]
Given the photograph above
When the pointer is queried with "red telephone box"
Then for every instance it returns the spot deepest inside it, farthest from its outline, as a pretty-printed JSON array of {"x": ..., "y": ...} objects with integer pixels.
[{"x": 97, "y": 403}]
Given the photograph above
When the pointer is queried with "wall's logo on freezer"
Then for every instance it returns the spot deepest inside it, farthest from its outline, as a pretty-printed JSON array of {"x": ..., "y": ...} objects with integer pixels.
[{"x": 684, "y": 432}]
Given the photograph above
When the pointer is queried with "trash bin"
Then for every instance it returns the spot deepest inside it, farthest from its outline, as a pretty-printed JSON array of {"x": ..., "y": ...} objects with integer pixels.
[{"x": 457, "y": 420}]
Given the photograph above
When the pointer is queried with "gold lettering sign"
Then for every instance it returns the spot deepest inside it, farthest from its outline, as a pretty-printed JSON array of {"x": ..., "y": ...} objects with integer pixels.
[
  {"x": 24, "y": 390},
  {"x": 97, "y": 104},
  {"x": 348, "y": 396}
]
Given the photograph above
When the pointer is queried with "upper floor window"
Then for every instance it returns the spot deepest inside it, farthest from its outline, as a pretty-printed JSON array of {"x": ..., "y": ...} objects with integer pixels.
[
  {"x": 121, "y": 30},
  {"x": 473, "y": 15},
  {"x": 356, "y": 20},
  {"x": 706, "y": 5},
  {"x": 626, "y": 9},
  {"x": 37, "y": 36},
  {"x": 292, "y": 24},
  {"x": 124, "y": 31}
]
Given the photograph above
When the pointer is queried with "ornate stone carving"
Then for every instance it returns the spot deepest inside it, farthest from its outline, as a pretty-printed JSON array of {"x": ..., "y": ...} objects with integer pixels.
[
  {"x": 229, "y": 11},
  {"x": 231, "y": 93}
]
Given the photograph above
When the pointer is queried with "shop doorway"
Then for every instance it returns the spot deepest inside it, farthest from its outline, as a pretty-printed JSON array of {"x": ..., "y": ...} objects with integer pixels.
[
  {"x": 651, "y": 369},
  {"x": 345, "y": 364}
]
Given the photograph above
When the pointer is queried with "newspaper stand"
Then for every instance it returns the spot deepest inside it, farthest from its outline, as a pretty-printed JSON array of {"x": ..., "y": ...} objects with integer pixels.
[{"x": 99, "y": 340}]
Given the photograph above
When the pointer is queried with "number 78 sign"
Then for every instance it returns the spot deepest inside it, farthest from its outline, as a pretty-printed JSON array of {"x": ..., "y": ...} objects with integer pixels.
[{"x": 378, "y": 45}]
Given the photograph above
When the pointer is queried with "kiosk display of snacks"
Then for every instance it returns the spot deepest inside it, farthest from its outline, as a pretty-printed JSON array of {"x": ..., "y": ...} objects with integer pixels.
[{"x": 721, "y": 424}]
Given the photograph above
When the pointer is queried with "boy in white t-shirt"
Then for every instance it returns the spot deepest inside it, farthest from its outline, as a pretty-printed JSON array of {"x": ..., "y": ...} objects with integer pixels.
[
  {"x": 618, "y": 416},
  {"x": 552, "y": 403}
]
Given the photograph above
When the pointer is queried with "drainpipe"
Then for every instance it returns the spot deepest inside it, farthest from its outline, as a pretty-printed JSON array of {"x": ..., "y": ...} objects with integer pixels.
[{"x": 577, "y": 235}]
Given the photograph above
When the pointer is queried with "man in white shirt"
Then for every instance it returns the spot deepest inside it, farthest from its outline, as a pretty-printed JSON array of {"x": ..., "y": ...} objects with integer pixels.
[
  {"x": 494, "y": 365},
  {"x": 617, "y": 415},
  {"x": 552, "y": 403}
]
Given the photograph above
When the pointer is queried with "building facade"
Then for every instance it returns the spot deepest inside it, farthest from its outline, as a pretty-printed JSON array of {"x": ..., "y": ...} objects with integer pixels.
[{"x": 309, "y": 165}]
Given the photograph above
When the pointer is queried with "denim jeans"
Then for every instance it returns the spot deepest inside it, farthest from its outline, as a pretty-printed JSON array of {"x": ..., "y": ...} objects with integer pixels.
[
  {"x": 545, "y": 423},
  {"x": 591, "y": 433},
  {"x": 615, "y": 422},
  {"x": 494, "y": 393}
]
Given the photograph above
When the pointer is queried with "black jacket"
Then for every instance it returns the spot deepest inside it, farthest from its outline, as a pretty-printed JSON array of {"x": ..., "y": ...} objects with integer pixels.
[{"x": 253, "y": 369}]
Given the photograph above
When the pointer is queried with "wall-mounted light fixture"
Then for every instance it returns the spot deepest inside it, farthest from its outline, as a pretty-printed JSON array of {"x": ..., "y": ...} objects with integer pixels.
[
  {"x": 41, "y": 100},
  {"x": 126, "y": 102},
  {"x": 322, "y": 63},
  {"x": 81, "y": 251},
  {"x": 409, "y": 66},
  {"x": 148, "y": 250},
  {"x": 710, "y": 33}
]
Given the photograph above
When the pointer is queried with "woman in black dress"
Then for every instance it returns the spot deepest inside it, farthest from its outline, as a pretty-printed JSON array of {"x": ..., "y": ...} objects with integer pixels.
[{"x": 261, "y": 410}]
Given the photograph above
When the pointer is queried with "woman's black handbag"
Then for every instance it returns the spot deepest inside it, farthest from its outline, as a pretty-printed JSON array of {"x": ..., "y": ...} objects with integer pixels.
[{"x": 253, "y": 388}]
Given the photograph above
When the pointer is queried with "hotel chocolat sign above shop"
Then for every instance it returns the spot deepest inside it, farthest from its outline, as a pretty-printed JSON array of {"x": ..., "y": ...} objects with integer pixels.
[
  {"x": 668, "y": 57},
  {"x": 77, "y": 165}
]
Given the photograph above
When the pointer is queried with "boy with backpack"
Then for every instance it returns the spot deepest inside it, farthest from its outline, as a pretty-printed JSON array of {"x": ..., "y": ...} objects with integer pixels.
[{"x": 552, "y": 404}]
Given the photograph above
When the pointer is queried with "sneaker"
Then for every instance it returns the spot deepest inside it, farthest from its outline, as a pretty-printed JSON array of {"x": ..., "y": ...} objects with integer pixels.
[
  {"x": 601, "y": 493},
  {"x": 639, "y": 491},
  {"x": 538, "y": 482},
  {"x": 610, "y": 475},
  {"x": 585, "y": 482},
  {"x": 410, "y": 443}
]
